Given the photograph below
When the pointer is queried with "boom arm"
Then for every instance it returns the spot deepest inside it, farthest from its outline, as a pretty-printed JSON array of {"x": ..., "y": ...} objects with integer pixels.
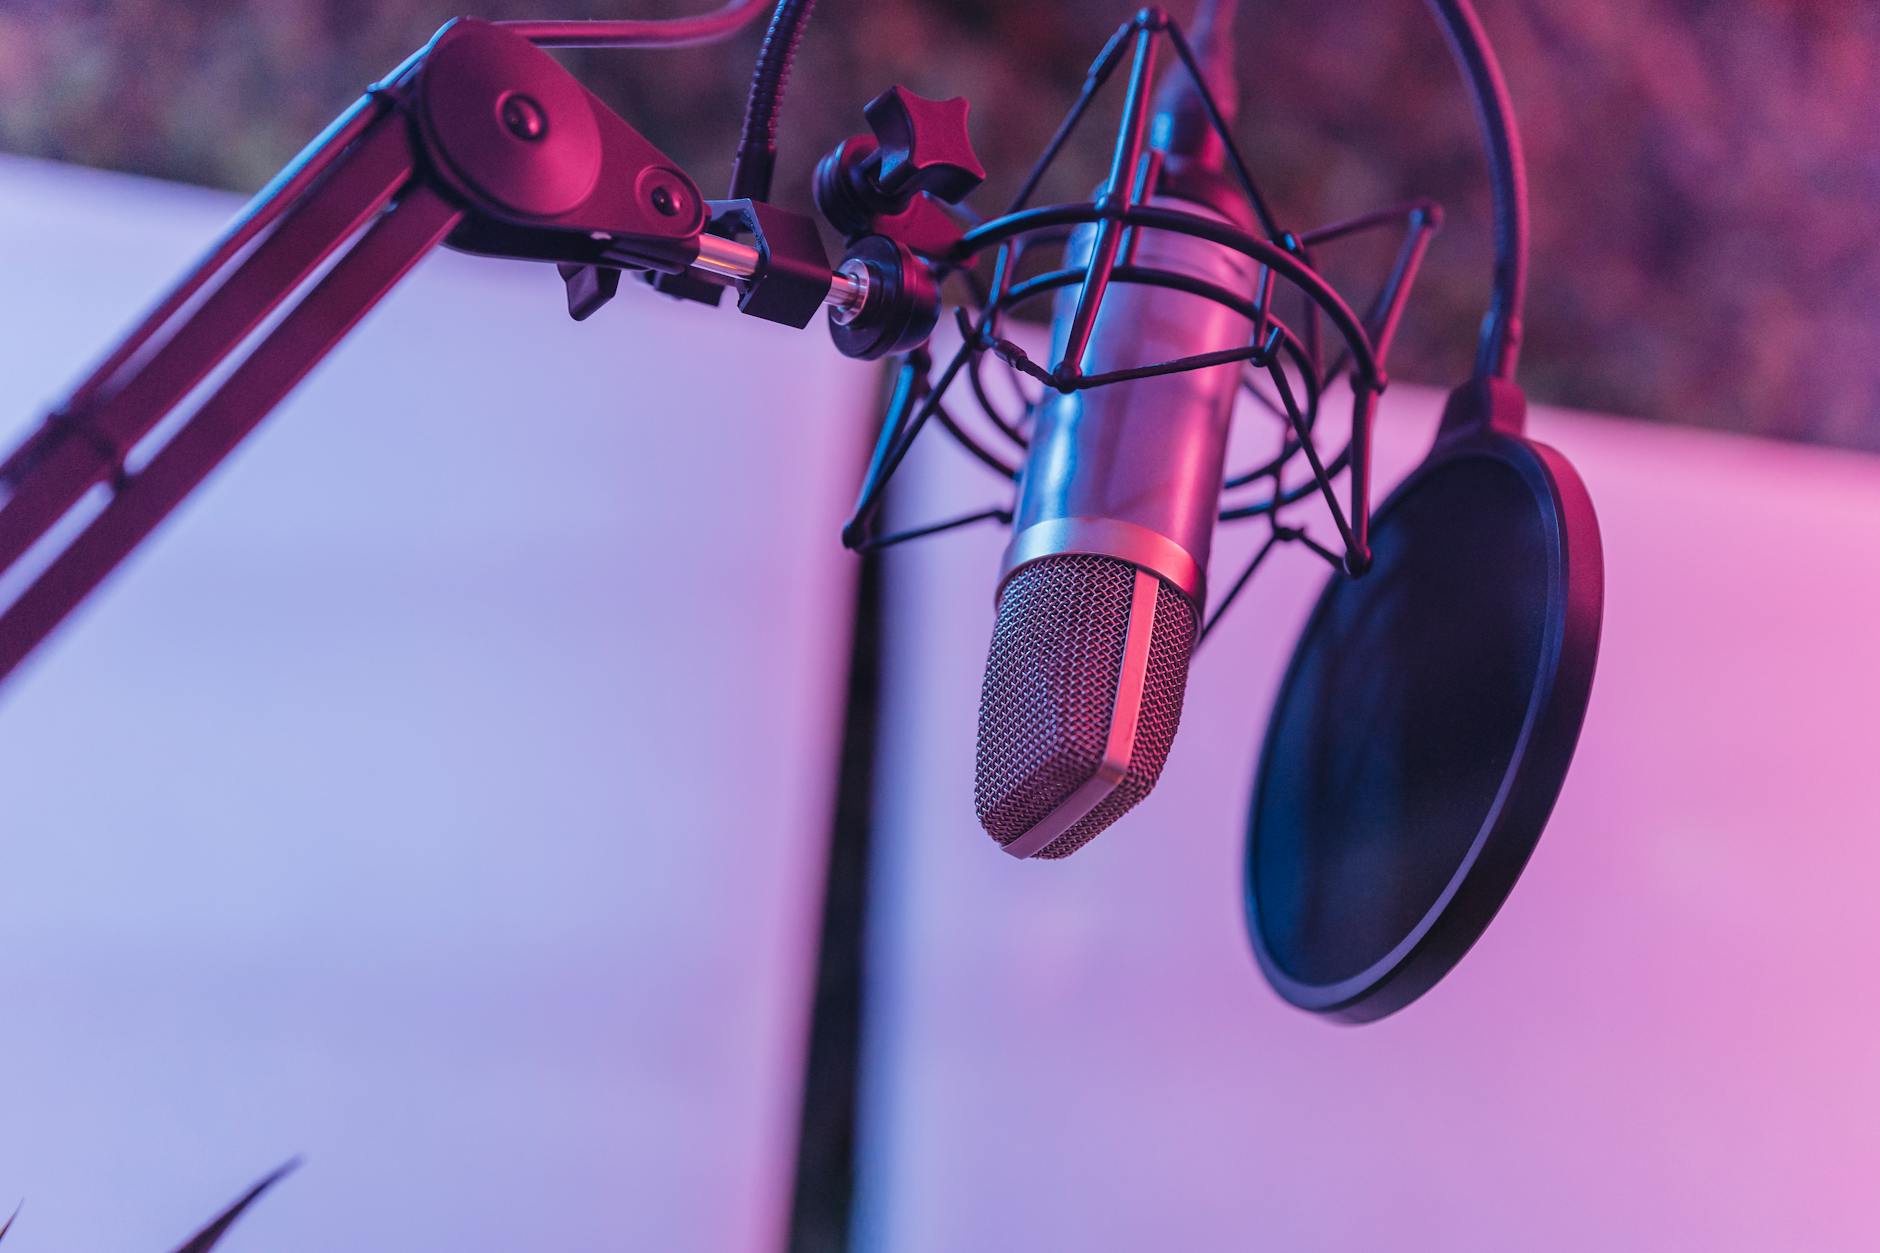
[{"x": 480, "y": 140}]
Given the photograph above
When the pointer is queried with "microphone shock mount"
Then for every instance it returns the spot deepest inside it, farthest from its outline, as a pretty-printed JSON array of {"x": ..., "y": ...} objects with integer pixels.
[{"x": 1306, "y": 335}]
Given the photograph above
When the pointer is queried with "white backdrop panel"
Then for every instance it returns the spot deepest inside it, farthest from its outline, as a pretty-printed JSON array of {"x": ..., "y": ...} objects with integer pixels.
[
  {"x": 443, "y": 795},
  {"x": 1666, "y": 1040}
]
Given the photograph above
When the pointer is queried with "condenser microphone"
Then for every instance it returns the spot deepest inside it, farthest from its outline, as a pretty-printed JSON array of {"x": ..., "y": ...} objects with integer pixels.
[{"x": 1103, "y": 583}]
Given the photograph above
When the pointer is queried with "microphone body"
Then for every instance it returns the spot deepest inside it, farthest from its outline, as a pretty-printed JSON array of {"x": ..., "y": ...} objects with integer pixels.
[
  {"x": 1104, "y": 581},
  {"x": 1133, "y": 470}
]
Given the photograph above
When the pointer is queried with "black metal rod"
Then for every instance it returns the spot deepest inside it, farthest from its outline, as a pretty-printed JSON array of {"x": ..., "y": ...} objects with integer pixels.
[
  {"x": 1098, "y": 74},
  {"x": 1131, "y": 135},
  {"x": 1270, "y": 405},
  {"x": 1386, "y": 308},
  {"x": 1363, "y": 417},
  {"x": 1016, "y": 357},
  {"x": 1218, "y": 120},
  {"x": 1239, "y": 584},
  {"x": 1001, "y": 516},
  {"x": 1263, "y": 304},
  {"x": 890, "y": 453},
  {"x": 1402, "y": 275},
  {"x": 1319, "y": 475},
  {"x": 1285, "y": 495},
  {"x": 1198, "y": 361},
  {"x": 1289, "y": 448},
  {"x": 1371, "y": 221},
  {"x": 978, "y": 451},
  {"x": 909, "y": 382},
  {"x": 1005, "y": 427},
  {"x": 1332, "y": 559}
]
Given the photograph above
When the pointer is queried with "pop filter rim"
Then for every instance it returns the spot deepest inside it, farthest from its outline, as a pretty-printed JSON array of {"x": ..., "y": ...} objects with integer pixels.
[{"x": 1537, "y": 768}]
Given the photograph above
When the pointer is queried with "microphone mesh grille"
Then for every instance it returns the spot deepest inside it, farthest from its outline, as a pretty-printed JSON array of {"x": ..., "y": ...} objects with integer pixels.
[{"x": 1051, "y": 688}]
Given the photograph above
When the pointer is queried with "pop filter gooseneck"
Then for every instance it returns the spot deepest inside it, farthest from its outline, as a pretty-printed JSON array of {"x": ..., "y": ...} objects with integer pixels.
[
  {"x": 1424, "y": 727},
  {"x": 1500, "y": 342}
]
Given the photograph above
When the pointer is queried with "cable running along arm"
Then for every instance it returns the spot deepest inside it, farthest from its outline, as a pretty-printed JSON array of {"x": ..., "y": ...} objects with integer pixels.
[{"x": 668, "y": 33}]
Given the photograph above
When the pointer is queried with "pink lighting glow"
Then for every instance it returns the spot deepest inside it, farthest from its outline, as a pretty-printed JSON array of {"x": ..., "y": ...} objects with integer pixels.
[{"x": 1666, "y": 1040}]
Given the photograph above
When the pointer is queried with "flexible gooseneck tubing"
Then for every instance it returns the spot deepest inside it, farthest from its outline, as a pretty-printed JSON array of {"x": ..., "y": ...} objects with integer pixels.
[
  {"x": 756, "y": 158},
  {"x": 1499, "y": 347}
]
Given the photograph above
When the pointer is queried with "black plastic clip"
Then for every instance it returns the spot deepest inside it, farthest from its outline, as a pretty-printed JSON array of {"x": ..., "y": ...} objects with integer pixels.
[
  {"x": 589, "y": 287},
  {"x": 793, "y": 274}
]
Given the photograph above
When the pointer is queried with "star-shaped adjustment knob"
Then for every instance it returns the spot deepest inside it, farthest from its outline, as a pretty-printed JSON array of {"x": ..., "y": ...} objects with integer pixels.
[{"x": 923, "y": 146}]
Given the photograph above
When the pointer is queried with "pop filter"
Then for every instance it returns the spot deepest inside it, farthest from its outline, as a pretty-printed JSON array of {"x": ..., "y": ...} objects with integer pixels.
[{"x": 1424, "y": 727}]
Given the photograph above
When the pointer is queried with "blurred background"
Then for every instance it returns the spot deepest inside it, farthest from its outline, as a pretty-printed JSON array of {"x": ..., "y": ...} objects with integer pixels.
[
  {"x": 370, "y": 814},
  {"x": 1704, "y": 172}
]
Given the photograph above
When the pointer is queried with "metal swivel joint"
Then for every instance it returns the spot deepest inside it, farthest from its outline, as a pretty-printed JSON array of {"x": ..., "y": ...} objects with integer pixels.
[{"x": 883, "y": 192}]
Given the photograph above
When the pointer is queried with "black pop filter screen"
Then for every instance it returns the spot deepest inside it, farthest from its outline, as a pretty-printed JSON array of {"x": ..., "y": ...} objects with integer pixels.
[{"x": 1395, "y": 748}]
